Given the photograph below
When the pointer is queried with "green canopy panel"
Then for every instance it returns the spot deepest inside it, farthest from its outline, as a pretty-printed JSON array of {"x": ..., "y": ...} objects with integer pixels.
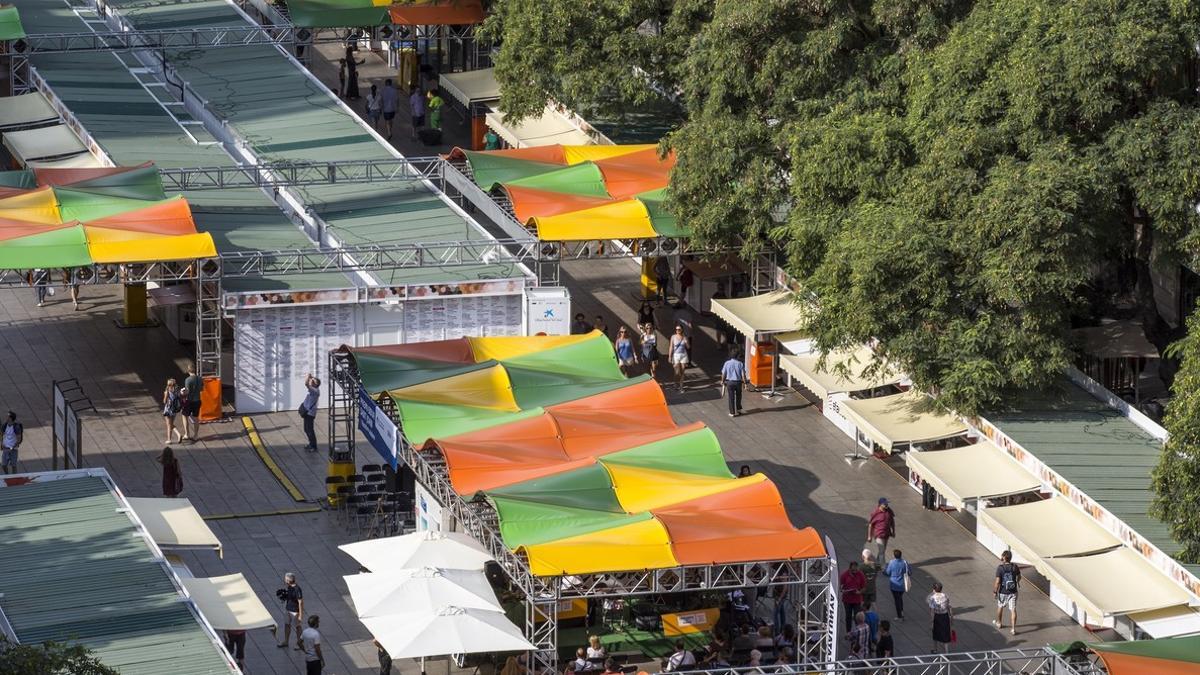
[
  {"x": 492, "y": 170},
  {"x": 423, "y": 421},
  {"x": 21, "y": 179},
  {"x": 588, "y": 359},
  {"x": 695, "y": 452},
  {"x": 533, "y": 389},
  {"x": 337, "y": 13},
  {"x": 587, "y": 488},
  {"x": 143, "y": 183},
  {"x": 62, "y": 247},
  {"x": 385, "y": 374},
  {"x": 10, "y": 23},
  {"x": 84, "y": 206},
  {"x": 583, "y": 179},
  {"x": 663, "y": 221},
  {"x": 529, "y": 523}
]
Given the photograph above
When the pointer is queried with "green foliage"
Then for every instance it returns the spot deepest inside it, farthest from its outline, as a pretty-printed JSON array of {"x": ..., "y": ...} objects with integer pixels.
[
  {"x": 50, "y": 658},
  {"x": 1177, "y": 476}
]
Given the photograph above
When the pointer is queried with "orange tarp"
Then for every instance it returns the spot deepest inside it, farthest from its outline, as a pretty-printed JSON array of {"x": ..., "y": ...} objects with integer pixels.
[
  {"x": 1129, "y": 664},
  {"x": 171, "y": 217},
  {"x": 445, "y": 351},
  {"x": 15, "y": 229},
  {"x": 745, "y": 524},
  {"x": 529, "y": 203},
  {"x": 635, "y": 173},
  {"x": 550, "y": 154},
  {"x": 438, "y": 13}
]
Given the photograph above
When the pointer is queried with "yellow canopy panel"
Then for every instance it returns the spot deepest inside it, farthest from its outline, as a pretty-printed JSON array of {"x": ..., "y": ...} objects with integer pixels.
[
  {"x": 25, "y": 109},
  {"x": 47, "y": 142},
  {"x": 549, "y": 129},
  {"x": 644, "y": 544},
  {"x": 487, "y": 388},
  {"x": 472, "y": 86},
  {"x": 972, "y": 472},
  {"x": 501, "y": 348},
  {"x": 639, "y": 489},
  {"x": 907, "y": 417},
  {"x": 174, "y": 523},
  {"x": 36, "y": 206},
  {"x": 625, "y": 219},
  {"x": 830, "y": 380},
  {"x": 228, "y": 602},
  {"x": 774, "y": 312},
  {"x": 1117, "y": 582},
  {"x": 576, "y": 154},
  {"x": 107, "y": 246},
  {"x": 1046, "y": 529}
]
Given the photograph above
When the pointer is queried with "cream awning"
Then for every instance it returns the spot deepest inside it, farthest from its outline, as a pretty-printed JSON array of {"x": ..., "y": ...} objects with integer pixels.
[
  {"x": 85, "y": 161},
  {"x": 549, "y": 129},
  {"x": 228, "y": 602},
  {"x": 972, "y": 472},
  {"x": 25, "y": 109},
  {"x": 907, "y": 417},
  {"x": 1047, "y": 528},
  {"x": 1168, "y": 622},
  {"x": 1116, "y": 582},
  {"x": 828, "y": 380},
  {"x": 774, "y": 312},
  {"x": 55, "y": 141},
  {"x": 472, "y": 86},
  {"x": 795, "y": 342},
  {"x": 174, "y": 523}
]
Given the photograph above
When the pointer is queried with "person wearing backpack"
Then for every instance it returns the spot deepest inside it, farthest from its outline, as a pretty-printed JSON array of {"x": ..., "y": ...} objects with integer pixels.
[
  {"x": 172, "y": 404},
  {"x": 1008, "y": 580},
  {"x": 11, "y": 435}
]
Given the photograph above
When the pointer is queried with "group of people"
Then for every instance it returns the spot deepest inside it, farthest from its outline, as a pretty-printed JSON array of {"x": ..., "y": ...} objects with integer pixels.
[
  {"x": 638, "y": 353},
  {"x": 745, "y": 645},
  {"x": 182, "y": 401},
  {"x": 382, "y": 105}
]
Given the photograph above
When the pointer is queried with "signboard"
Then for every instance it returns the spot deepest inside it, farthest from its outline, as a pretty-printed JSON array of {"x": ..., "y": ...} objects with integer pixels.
[
  {"x": 377, "y": 428},
  {"x": 66, "y": 432},
  {"x": 694, "y": 621},
  {"x": 547, "y": 311},
  {"x": 429, "y": 510},
  {"x": 353, "y": 296},
  {"x": 72, "y": 452}
]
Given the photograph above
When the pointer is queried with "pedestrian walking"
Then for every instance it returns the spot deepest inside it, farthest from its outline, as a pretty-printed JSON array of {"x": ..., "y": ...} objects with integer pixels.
[
  {"x": 626, "y": 352},
  {"x": 352, "y": 73},
  {"x": 684, "y": 317},
  {"x": 389, "y": 102},
  {"x": 1005, "y": 586},
  {"x": 194, "y": 386},
  {"x": 600, "y": 324},
  {"x": 679, "y": 355},
  {"x": 733, "y": 379},
  {"x": 852, "y": 583},
  {"x": 435, "y": 109},
  {"x": 72, "y": 286},
  {"x": 886, "y": 647},
  {"x": 341, "y": 92},
  {"x": 416, "y": 106},
  {"x": 292, "y": 597},
  {"x": 374, "y": 107},
  {"x": 310, "y": 643},
  {"x": 943, "y": 618},
  {"x": 235, "y": 642},
  {"x": 649, "y": 340},
  {"x": 172, "y": 477},
  {"x": 872, "y": 619},
  {"x": 11, "y": 435},
  {"x": 38, "y": 278},
  {"x": 899, "y": 580},
  {"x": 580, "y": 326},
  {"x": 308, "y": 410},
  {"x": 858, "y": 636},
  {"x": 871, "y": 571},
  {"x": 385, "y": 659},
  {"x": 881, "y": 527},
  {"x": 645, "y": 314},
  {"x": 172, "y": 404},
  {"x": 662, "y": 277}
]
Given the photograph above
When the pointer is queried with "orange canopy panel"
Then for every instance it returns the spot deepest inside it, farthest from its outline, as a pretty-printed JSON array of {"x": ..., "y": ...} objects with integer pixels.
[
  {"x": 549, "y": 154},
  {"x": 635, "y": 173},
  {"x": 529, "y": 203},
  {"x": 437, "y": 13},
  {"x": 741, "y": 525},
  {"x": 171, "y": 216},
  {"x": 445, "y": 351},
  {"x": 1130, "y": 664},
  {"x": 66, "y": 177},
  {"x": 15, "y": 229}
]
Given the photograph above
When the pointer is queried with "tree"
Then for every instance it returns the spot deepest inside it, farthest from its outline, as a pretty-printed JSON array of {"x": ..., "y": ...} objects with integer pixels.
[
  {"x": 1177, "y": 476},
  {"x": 50, "y": 658}
]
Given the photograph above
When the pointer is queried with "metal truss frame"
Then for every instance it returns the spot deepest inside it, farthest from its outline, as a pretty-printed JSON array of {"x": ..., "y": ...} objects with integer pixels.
[
  {"x": 199, "y": 37},
  {"x": 104, "y": 275},
  {"x": 377, "y": 257},
  {"x": 813, "y": 580},
  {"x": 1011, "y": 661}
]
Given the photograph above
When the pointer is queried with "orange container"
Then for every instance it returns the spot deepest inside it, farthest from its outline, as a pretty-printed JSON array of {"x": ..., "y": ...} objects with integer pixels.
[
  {"x": 762, "y": 361},
  {"x": 210, "y": 400}
]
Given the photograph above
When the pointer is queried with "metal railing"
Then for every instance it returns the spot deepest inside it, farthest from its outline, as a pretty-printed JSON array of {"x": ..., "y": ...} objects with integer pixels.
[{"x": 1010, "y": 661}]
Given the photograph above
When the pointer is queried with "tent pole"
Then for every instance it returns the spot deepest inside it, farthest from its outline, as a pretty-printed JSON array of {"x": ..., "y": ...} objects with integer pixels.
[{"x": 774, "y": 369}]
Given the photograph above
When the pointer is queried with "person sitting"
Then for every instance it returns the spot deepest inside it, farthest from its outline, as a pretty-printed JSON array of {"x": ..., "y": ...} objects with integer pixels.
[
  {"x": 784, "y": 663},
  {"x": 764, "y": 639},
  {"x": 755, "y": 658},
  {"x": 682, "y": 659},
  {"x": 744, "y": 641},
  {"x": 594, "y": 650},
  {"x": 581, "y": 661}
]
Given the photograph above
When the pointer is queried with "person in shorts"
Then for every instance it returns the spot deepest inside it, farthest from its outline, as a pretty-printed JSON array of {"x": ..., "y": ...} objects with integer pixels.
[
  {"x": 310, "y": 644},
  {"x": 293, "y": 609},
  {"x": 679, "y": 355},
  {"x": 11, "y": 435},
  {"x": 389, "y": 101},
  {"x": 1005, "y": 587},
  {"x": 191, "y": 404}
]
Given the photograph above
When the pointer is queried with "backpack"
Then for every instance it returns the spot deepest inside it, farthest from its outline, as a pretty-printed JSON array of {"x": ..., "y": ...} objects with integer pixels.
[{"x": 1008, "y": 578}]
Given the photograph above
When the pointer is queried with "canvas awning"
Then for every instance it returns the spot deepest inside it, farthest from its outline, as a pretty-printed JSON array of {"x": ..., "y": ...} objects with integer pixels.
[
  {"x": 25, "y": 110},
  {"x": 796, "y": 342},
  {"x": 774, "y": 312},
  {"x": 85, "y": 161},
  {"x": 174, "y": 523},
  {"x": 47, "y": 142},
  {"x": 472, "y": 86},
  {"x": 436, "y": 12},
  {"x": 1168, "y": 622},
  {"x": 1046, "y": 529},
  {"x": 549, "y": 129},
  {"x": 907, "y": 417},
  {"x": 228, "y": 602},
  {"x": 972, "y": 472},
  {"x": 1119, "y": 581},
  {"x": 829, "y": 380}
]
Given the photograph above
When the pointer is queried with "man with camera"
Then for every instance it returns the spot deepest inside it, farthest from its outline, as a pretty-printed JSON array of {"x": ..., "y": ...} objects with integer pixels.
[{"x": 293, "y": 609}]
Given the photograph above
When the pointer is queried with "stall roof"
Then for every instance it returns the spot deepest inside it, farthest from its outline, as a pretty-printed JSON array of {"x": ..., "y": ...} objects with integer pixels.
[
  {"x": 775, "y": 312},
  {"x": 1116, "y": 339},
  {"x": 1115, "y": 582},
  {"x": 1168, "y": 622},
  {"x": 907, "y": 417},
  {"x": 1174, "y": 656},
  {"x": 830, "y": 379},
  {"x": 174, "y": 523},
  {"x": 79, "y": 571},
  {"x": 972, "y": 472},
  {"x": 436, "y": 12},
  {"x": 24, "y": 110},
  {"x": 1047, "y": 529},
  {"x": 47, "y": 142},
  {"x": 84, "y": 161},
  {"x": 551, "y": 128},
  {"x": 471, "y": 86},
  {"x": 228, "y": 602}
]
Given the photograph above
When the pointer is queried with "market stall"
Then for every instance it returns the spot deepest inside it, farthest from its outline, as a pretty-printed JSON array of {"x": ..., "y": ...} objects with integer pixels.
[
  {"x": 26, "y": 111},
  {"x": 761, "y": 318},
  {"x": 1046, "y": 529},
  {"x": 1089, "y": 583},
  {"x": 969, "y": 473},
  {"x": 475, "y": 92},
  {"x": 900, "y": 421},
  {"x": 228, "y": 602},
  {"x": 44, "y": 143},
  {"x": 174, "y": 524}
]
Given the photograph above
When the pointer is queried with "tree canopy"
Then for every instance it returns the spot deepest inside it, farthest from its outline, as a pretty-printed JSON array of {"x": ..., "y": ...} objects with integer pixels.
[{"x": 50, "y": 658}]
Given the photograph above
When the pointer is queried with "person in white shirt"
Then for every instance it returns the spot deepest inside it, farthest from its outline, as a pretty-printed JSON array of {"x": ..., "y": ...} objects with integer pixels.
[
  {"x": 314, "y": 660},
  {"x": 594, "y": 650},
  {"x": 681, "y": 659}
]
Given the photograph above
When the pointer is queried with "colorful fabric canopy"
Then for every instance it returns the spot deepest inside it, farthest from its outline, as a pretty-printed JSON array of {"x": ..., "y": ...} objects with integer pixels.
[
  {"x": 586, "y": 470},
  {"x": 348, "y": 13},
  {"x": 581, "y": 192},
  {"x": 77, "y": 217},
  {"x": 1171, "y": 656},
  {"x": 10, "y": 23}
]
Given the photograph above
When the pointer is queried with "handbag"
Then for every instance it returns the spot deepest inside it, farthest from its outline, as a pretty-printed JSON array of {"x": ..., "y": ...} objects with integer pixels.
[
  {"x": 953, "y": 635},
  {"x": 300, "y": 411}
]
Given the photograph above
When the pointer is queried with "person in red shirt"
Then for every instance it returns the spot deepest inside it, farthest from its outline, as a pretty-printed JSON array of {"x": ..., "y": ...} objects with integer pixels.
[
  {"x": 852, "y": 581},
  {"x": 881, "y": 527}
]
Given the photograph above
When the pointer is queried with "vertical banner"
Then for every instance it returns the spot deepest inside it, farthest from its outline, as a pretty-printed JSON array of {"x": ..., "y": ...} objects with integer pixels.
[{"x": 377, "y": 428}]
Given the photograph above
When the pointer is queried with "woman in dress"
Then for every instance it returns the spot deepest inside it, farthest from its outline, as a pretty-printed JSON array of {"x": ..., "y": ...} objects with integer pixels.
[
  {"x": 626, "y": 355},
  {"x": 172, "y": 403},
  {"x": 679, "y": 355},
  {"x": 172, "y": 477},
  {"x": 943, "y": 618},
  {"x": 649, "y": 340}
]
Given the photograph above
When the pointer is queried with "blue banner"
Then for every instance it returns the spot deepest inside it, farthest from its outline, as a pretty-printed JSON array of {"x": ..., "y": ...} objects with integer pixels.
[{"x": 377, "y": 428}]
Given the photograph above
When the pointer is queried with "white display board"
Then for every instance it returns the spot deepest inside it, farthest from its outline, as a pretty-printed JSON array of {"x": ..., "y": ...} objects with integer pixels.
[
  {"x": 428, "y": 511},
  {"x": 449, "y": 317},
  {"x": 547, "y": 311}
]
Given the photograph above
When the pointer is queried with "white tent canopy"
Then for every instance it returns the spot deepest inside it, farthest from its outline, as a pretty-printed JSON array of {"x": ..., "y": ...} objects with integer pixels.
[
  {"x": 451, "y": 630},
  {"x": 47, "y": 142},
  {"x": 472, "y": 86},
  {"x": 907, "y": 417},
  {"x": 228, "y": 602},
  {"x": 551, "y": 128},
  {"x": 1168, "y": 622},
  {"x": 972, "y": 472},
  {"x": 174, "y": 523},
  {"x": 830, "y": 380},
  {"x": 774, "y": 312},
  {"x": 25, "y": 110},
  {"x": 449, "y": 550},
  {"x": 1116, "y": 582},
  {"x": 419, "y": 590},
  {"x": 1046, "y": 529}
]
